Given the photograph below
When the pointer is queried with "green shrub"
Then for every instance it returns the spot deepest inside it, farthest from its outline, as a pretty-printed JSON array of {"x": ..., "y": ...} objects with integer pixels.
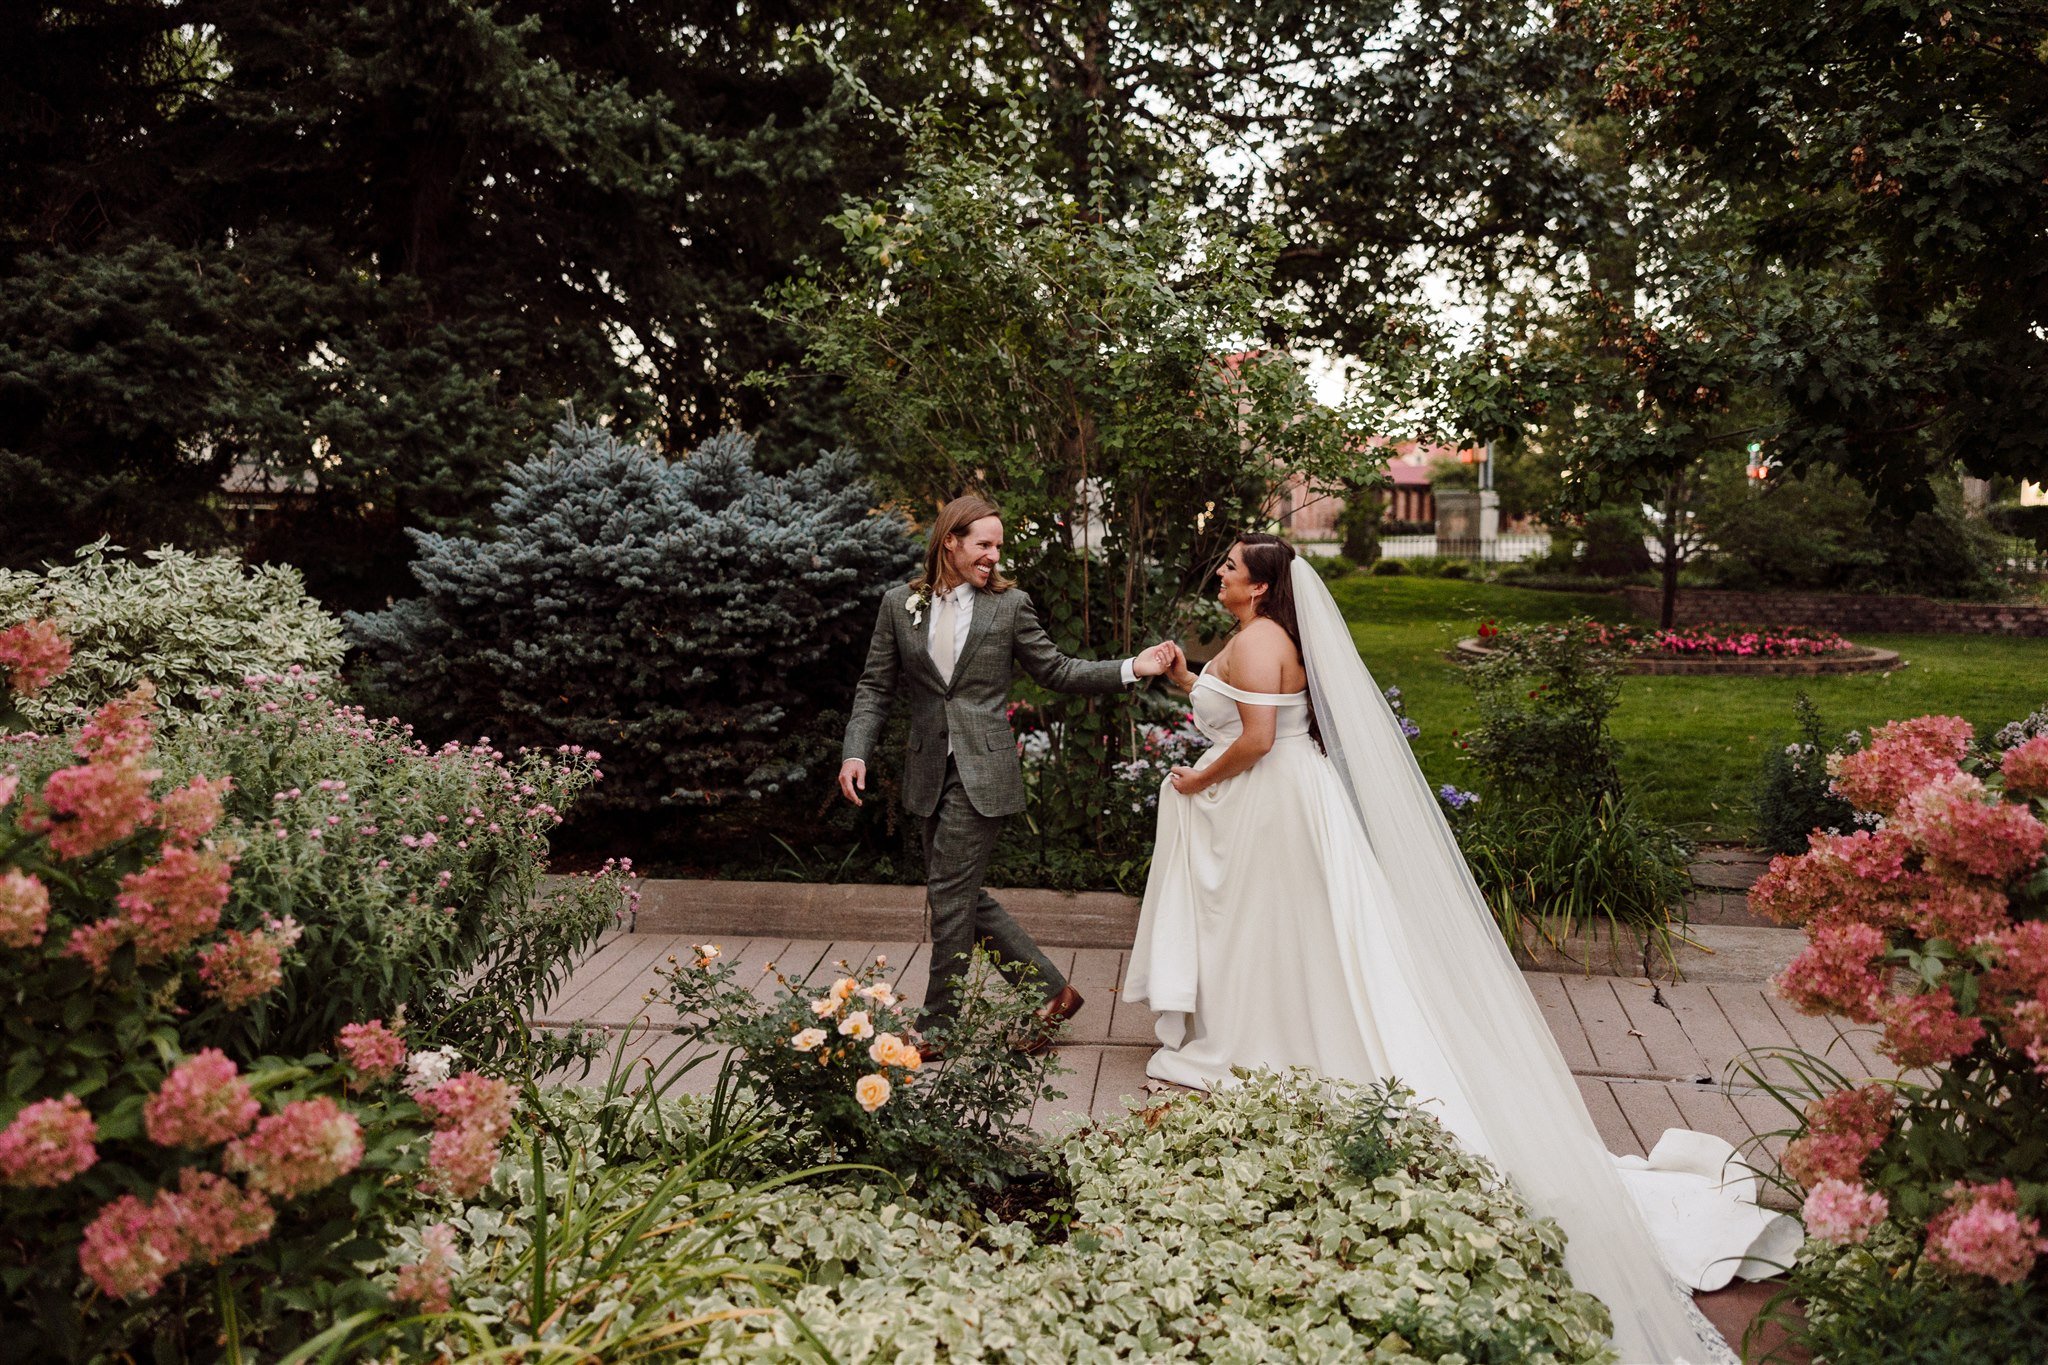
[
  {"x": 1388, "y": 568},
  {"x": 1793, "y": 797},
  {"x": 2029, "y": 523},
  {"x": 1235, "y": 1214},
  {"x": 1358, "y": 527},
  {"x": 1878, "y": 1304},
  {"x": 1332, "y": 567},
  {"x": 186, "y": 622},
  {"x": 416, "y": 875},
  {"x": 700, "y": 622},
  {"x": 1455, "y": 568},
  {"x": 1613, "y": 544},
  {"x": 1544, "y": 697}
]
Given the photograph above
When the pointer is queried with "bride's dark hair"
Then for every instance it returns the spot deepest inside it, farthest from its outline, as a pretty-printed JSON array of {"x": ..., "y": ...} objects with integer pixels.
[{"x": 1269, "y": 561}]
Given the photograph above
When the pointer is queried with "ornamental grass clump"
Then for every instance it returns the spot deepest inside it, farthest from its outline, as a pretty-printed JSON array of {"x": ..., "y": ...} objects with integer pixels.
[
  {"x": 835, "y": 1058},
  {"x": 1933, "y": 926},
  {"x": 164, "y": 1194}
]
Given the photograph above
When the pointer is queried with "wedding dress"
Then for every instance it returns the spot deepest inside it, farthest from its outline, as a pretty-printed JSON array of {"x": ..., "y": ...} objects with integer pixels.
[{"x": 1314, "y": 911}]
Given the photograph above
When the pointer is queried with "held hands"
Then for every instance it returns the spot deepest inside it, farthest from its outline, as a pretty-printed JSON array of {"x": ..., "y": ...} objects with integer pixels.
[
  {"x": 1154, "y": 661},
  {"x": 1166, "y": 660},
  {"x": 853, "y": 774}
]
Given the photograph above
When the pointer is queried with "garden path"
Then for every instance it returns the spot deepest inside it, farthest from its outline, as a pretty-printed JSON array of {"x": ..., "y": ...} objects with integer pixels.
[{"x": 1647, "y": 1055}]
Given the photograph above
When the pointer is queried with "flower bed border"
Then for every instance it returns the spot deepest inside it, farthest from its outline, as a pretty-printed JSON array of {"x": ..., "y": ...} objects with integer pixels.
[{"x": 1856, "y": 659}]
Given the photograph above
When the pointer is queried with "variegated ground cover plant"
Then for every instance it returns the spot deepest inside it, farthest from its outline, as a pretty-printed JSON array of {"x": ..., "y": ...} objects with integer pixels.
[
  {"x": 1246, "y": 1226},
  {"x": 186, "y": 622}
]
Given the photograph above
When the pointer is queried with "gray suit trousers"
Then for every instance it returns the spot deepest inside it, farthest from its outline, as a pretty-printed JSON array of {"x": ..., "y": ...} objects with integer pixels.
[{"x": 958, "y": 842}]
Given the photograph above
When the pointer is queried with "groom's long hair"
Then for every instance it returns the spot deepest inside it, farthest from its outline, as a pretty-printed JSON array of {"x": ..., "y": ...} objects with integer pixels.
[
  {"x": 954, "y": 519},
  {"x": 1270, "y": 560}
]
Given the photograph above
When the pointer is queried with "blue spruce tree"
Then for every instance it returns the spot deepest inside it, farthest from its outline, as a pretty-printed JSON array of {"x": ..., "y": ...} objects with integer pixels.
[{"x": 698, "y": 622}]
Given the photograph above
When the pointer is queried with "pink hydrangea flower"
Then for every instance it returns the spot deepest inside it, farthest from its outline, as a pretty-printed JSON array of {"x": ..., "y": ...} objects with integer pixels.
[
  {"x": 428, "y": 1282},
  {"x": 48, "y": 1143},
  {"x": 1860, "y": 876},
  {"x": 212, "y": 1218},
  {"x": 129, "y": 1249},
  {"x": 1835, "y": 975},
  {"x": 204, "y": 1101},
  {"x": 1842, "y": 1130},
  {"x": 373, "y": 1050},
  {"x": 2026, "y": 768},
  {"x": 2019, "y": 958},
  {"x": 172, "y": 902},
  {"x": 472, "y": 1113},
  {"x": 190, "y": 813},
  {"x": 242, "y": 967},
  {"x": 471, "y": 1100},
  {"x": 120, "y": 730},
  {"x": 1844, "y": 1213},
  {"x": 24, "y": 909},
  {"x": 1982, "y": 1233},
  {"x": 460, "y": 1161},
  {"x": 1925, "y": 1030},
  {"x": 1903, "y": 757},
  {"x": 96, "y": 942},
  {"x": 308, "y": 1145},
  {"x": 1958, "y": 912},
  {"x": 92, "y": 806},
  {"x": 1962, "y": 832},
  {"x": 2026, "y": 1028},
  {"x": 34, "y": 653}
]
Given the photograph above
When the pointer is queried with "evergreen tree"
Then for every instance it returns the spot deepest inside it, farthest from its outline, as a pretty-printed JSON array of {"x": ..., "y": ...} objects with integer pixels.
[
  {"x": 378, "y": 245},
  {"x": 701, "y": 624}
]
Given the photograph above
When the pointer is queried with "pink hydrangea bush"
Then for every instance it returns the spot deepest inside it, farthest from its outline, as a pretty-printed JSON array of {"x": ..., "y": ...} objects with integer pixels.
[
  {"x": 145, "y": 1133},
  {"x": 1933, "y": 926}
]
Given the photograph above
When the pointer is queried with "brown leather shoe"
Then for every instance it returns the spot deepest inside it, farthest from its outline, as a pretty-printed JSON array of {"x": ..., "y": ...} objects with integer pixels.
[
  {"x": 930, "y": 1052},
  {"x": 1051, "y": 1015}
]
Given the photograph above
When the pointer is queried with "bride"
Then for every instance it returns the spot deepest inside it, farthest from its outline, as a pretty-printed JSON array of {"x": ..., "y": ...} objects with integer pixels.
[{"x": 1308, "y": 906}]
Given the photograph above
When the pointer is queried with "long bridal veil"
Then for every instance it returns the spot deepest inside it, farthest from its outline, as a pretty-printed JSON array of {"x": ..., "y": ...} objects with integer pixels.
[{"x": 1516, "y": 1101}]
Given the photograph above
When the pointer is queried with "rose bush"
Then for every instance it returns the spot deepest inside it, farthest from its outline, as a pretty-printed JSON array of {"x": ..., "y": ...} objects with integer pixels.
[{"x": 1933, "y": 926}]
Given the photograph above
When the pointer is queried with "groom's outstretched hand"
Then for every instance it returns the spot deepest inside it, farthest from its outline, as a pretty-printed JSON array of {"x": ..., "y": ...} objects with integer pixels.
[
  {"x": 853, "y": 779},
  {"x": 1177, "y": 671}
]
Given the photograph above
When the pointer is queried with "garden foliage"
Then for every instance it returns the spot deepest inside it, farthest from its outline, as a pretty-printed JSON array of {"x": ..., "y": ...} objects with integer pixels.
[
  {"x": 699, "y": 622},
  {"x": 1557, "y": 842},
  {"x": 186, "y": 622},
  {"x": 1933, "y": 927},
  {"x": 1794, "y": 793},
  {"x": 835, "y": 1057},
  {"x": 161, "y": 1190}
]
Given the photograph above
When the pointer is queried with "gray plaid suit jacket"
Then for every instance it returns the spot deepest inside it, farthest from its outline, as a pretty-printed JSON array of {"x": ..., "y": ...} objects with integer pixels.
[{"x": 1004, "y": 636}]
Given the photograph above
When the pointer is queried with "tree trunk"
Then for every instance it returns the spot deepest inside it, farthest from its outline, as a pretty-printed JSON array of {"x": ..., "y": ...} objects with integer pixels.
[{"x": 1674, "y": 502}]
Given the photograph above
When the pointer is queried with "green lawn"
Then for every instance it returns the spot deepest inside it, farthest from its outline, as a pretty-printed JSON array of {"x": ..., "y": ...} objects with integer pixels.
[{"x": 1692, "y": 745}]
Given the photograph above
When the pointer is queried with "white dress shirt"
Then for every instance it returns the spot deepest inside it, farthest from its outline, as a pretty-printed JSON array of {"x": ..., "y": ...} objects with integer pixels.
[{"x": 962, "y": 597}]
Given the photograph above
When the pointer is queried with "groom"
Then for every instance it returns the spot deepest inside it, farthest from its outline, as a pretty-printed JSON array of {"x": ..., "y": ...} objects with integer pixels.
[{"x": 951, "y": 642}]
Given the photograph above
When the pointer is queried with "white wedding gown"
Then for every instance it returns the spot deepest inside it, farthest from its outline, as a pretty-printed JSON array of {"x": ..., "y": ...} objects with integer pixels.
[{"x": 1264, "y": 942}]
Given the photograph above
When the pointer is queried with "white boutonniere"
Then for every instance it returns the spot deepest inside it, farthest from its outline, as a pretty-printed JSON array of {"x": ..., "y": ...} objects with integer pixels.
[{"x": 920, "y": 598}]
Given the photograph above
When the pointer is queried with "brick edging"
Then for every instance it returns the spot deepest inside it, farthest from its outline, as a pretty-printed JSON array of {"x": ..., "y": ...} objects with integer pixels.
[{"x": 1847, "y": 613}]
